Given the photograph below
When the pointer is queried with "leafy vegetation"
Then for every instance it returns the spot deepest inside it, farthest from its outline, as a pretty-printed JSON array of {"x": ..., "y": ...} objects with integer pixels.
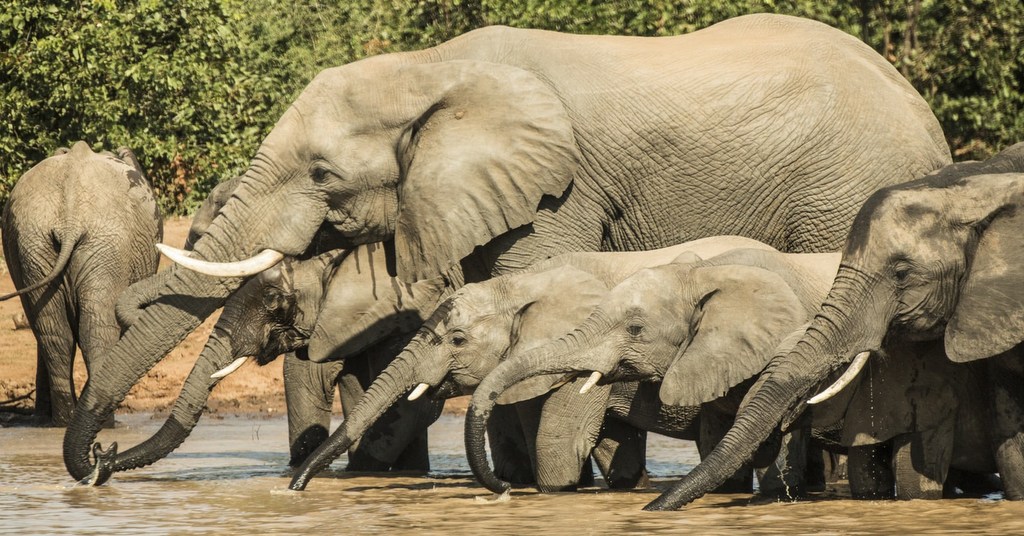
[{"x": 194, "y": 85}]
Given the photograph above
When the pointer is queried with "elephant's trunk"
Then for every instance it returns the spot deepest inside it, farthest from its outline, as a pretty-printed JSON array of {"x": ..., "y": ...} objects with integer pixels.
[
  {"x": 188, "y": 408},
  {"x": 831, "y": 340},
  {"x": 558, "y": 357},
  {"x": 184, "y": 300},
  {"x": 393, "y": 382},
  {"x": 134, "y": 354}
]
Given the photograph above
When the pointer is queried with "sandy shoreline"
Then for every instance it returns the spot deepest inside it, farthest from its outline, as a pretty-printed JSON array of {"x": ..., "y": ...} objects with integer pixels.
[{"x": 253, "y": 390}]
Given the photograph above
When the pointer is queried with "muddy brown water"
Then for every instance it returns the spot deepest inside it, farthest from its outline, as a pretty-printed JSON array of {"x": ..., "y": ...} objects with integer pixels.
[{"x": 231, "y": 476}]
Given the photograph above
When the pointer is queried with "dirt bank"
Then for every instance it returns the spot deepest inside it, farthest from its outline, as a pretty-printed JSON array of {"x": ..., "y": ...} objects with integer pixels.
[{"x": 252, "y": 390}]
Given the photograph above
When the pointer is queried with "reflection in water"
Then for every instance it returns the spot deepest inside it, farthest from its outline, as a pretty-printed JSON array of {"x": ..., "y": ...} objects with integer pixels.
[{"x": 232, "y": 473}]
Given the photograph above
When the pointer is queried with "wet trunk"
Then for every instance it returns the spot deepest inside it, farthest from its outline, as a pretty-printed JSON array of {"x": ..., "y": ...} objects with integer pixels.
[
  {"x": 185, "y": 300},
  {"x": 558, "y": 357},
  {"x": 394, "y": 382},
  {"x": 828, "y": 344},
  {"x": 779, "y": 392},
  {"x": 188, "y": 408}
]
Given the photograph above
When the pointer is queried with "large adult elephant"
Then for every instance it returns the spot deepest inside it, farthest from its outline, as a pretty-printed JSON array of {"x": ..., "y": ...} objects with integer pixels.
[
  {"x": 940, "y": 258},
  {"x": 79, "y": 227},
  {"x": 527, "y": 143}
]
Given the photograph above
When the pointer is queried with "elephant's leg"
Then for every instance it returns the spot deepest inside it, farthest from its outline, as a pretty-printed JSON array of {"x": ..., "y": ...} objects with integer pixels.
[
  {"x": 569, "y": 427},
  {"x": 309, "y": 395},
  {"x": 98, "y": 329},
  {"x": 398, "y": 440},
  {"x": 509, "y": 449},
  {"x": 1006, "y": 374},
  {"x": 713, "y": 426},
  {"x": 415, "y": 419},
  {"x": 814, "y": 472},
  {"x": 920, "y": 461},
  {"x": 784, "y": 477},
  {"x": 835, "y": 467},
  {"x": 55, "y": 350},
  {"x": 870, "y": 472},
  {"x": 621, "y": 454}
]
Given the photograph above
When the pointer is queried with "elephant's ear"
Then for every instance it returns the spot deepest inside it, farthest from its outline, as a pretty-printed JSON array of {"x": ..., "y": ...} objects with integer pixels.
[
  {"x": 568, "y": 298},
  {"x": 742, "y": 315},
  {"x": 989, "y": 316},
  {"x": 492, "y": 140}
]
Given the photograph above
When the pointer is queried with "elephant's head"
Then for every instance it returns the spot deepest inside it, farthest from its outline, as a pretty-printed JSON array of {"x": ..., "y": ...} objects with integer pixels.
[
  {"x": 698, "y": 329},
  {"x": 440, "y": 156},
  {"x": 937, "y": 258},
  {"x": 461, "y": 342}
]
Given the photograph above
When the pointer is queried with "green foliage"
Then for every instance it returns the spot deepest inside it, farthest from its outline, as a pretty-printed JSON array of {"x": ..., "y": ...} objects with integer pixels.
[{"x": 193, "y": 86}]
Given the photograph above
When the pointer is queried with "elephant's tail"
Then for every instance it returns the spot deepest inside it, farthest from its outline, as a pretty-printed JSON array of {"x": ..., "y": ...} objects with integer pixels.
[{"x": 67, "y": 244}]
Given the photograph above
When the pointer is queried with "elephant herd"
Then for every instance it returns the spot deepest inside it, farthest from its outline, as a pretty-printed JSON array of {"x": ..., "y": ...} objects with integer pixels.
[{"x": 751, "y": 236}]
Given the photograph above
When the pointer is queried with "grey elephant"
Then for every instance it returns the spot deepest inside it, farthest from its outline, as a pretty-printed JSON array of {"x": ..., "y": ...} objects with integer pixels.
[
  {"x": 277, "y": 313},
  {"x": 700, "y": 329},
  {"x": 79, "y": 227},
  {"x": 472, "y": 331},
  {"x": 937, "y": 259},
  {"x": 505, "y": 146}
]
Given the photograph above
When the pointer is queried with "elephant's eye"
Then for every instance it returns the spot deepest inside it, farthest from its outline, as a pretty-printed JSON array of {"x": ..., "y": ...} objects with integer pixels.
[
  {"x": 635, "y": 329},
  {"x": 458, "y": 340},
  {"x": 319, "y": 173},
  {"x": 901, "y": 271}
]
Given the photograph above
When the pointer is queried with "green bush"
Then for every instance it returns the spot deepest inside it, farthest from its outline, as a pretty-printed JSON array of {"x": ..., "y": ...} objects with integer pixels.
[{"x": 193, "y": 86}]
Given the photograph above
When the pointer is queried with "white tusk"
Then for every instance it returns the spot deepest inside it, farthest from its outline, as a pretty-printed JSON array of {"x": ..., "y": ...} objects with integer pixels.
[
  {"x": 235, "y": 365},
  {"x": 251, "y": 266},
  {"x": 844, "y": 380},
  {"x": 418, "y": 391},
  {"x": 591, "y": 382}
]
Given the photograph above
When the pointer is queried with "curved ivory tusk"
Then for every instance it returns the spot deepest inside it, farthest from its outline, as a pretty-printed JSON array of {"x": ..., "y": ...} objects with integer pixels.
[
  {"x": 591, "y": 382},
  {"x": 418, "y": 391},
  {"x": 251, "y": 266},
  {"x": 235, "y": 365},
  {"x": 844, "y": 380}
]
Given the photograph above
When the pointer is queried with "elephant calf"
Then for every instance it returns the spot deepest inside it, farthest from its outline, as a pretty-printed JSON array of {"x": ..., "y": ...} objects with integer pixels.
[
  {"x": 469, "y": 334},
  {"x": 700, "y": 328},
  {"x": 78, "y": 228}
]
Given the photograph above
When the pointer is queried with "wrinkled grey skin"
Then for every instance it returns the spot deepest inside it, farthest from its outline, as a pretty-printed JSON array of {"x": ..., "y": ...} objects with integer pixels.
[
  {"x": 701, "y": 329},
  {"x": 940, "y": 258},
  {"x": 78, "y": 228},
  {"x": 766, "y": 126},
  {"x": 276, "y": 313},
  {"x": 472, "y": 332}
]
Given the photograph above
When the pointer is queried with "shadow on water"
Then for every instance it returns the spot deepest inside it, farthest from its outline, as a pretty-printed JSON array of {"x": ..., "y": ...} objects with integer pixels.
[{"x": 228, "y": 476}]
